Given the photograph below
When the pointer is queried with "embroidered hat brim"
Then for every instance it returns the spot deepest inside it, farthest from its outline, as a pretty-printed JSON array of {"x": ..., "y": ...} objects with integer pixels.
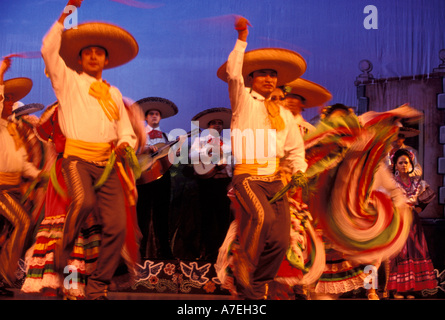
[
  {"x": 314, "y": 94},
  {"x": 28, "y": 109},
  {"x": 204, "y": 117},
  {"x": 18, "y": 88},
  {"x": 288, "y": 64},
  {"x": 121, "y": 46},
  {"x": 165, "y": 107}
]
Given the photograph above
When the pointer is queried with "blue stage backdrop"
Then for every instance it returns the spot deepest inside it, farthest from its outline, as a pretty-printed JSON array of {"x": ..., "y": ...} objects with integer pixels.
[{"x": 183, "y": 42}]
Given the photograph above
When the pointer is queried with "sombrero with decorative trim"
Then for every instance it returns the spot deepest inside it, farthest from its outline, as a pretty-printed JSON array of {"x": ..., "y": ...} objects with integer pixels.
[
  {"x": 288, "y": 64},
  {"x": 314, "y": 94},
  {"x": 165, "y": 107},
  {"x": 18, "y": 88},
  {"x": 20, "y": 109},
  {"x": 204, "y": 117},
  {"x": 121, "y": 46}
]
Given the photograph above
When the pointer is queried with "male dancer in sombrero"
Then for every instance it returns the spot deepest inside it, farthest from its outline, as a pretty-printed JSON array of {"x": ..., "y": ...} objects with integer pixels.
[
  {"x": 301, "y": 94},
  {"x": 15, "y": 221},
  {"x": 96, "y": 126},
  {"x": 263, "y": 227}
]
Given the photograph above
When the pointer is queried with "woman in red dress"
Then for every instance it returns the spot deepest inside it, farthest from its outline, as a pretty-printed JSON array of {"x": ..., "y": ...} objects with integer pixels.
[{"x": 412, "y": 270}]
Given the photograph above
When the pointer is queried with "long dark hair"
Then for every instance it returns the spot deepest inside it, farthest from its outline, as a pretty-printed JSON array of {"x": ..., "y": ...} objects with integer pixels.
[{"x": 397, "y": 155}]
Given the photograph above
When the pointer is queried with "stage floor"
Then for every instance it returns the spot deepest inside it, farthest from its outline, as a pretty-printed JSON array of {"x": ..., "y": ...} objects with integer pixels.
[{"x": 18, "y": 295}]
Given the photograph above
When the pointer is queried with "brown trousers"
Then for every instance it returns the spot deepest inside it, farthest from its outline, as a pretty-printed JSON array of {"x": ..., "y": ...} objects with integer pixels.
[
  {"x": 15, "y": 224},
  {"x": 108, "y": 201},
  {"x": 264, "y": 232}
]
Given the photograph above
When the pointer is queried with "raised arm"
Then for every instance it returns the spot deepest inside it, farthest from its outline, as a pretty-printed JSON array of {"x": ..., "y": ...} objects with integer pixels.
[
  {"x": 234, "y": 66},
  {"x": 4, "y": 66},
  {"x": 55, "y": 66}
]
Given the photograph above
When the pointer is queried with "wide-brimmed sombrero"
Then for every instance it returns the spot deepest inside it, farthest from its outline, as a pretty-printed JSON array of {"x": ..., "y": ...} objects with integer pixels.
[
  {"x": 288, "y": 64},
  {"x": 204, "y": 117},
  {"x": 18, "y": 88},
  {"x": 165, "y": 107},
  {"x": 314, "y": 94},
  {"x": 121, "y": 46},
  {"x": 20, "y": 109}
]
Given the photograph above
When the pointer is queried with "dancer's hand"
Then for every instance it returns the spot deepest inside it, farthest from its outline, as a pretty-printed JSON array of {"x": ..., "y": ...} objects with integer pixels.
[
  {"x": 120, "y": 150},
  {"x": 5, "y": 65},
  {"x": 241, "y": 24},
  {"x": 76, "y": 3}
]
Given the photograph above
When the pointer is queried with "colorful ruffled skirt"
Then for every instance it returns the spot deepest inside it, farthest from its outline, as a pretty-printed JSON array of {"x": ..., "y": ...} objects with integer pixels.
[
  {"x": 412, "y": 269},
  {"x": 340, "y": 275},
  {"x": 41, "y": 276}
]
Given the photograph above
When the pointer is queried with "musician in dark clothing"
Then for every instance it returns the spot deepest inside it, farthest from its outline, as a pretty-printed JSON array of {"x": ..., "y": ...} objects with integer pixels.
[
  {"x": 214, "y": 175},
  {"x": 153, "y": 207}
]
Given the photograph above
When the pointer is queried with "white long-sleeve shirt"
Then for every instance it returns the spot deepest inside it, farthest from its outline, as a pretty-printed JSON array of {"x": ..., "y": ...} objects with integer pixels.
[
  {"x": 12, "y": 160},
  {"x": 249, "y": 115},
  {"x": 80, "y": 115}
]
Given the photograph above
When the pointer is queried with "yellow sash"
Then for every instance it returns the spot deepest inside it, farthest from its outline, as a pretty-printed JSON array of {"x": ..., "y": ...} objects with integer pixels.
[
  {"x": 90, "y": 151},
  {"x": 101, "y": 91},
  {"x": 10, "y": 178},
  {"x": 266, "y": 167}
]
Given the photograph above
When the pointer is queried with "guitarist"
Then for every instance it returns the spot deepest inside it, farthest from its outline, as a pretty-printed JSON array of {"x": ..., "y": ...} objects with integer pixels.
[
  {"x": 154, "y": 197},
  {"x": 213, "y": 199}
]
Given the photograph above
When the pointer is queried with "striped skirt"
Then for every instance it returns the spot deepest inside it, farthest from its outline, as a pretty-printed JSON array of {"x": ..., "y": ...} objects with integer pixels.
[
  {"x": 412, "y": 269},
  {"x": 41, "y": 276}
]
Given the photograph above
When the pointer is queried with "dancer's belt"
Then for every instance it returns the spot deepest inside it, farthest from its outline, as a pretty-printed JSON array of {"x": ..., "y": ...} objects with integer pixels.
[
  {"x": 10, "y": 178},
  {"x": 89, "y": 151},
  {"x": 267, "y": 166}
]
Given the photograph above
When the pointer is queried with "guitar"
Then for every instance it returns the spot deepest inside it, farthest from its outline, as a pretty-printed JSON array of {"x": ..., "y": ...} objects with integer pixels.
[
  {"x": 206, "y": 171},
  {"x": 156, "y": 164}
]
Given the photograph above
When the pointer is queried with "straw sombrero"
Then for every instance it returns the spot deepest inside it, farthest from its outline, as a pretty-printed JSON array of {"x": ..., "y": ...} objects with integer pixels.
[
  {"x": 120, "y": 44},
  {"x": 288, "y": 64},
  {"x": 20, "y": 109},
  {"x": 165, "y": 107},
  {"x": 315, "y": 94},
  {"x": 204, "y": 117},
  {"x": 18, "y": 88}
]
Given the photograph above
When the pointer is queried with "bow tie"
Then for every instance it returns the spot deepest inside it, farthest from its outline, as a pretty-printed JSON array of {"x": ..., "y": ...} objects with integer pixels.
[{"x": 155, "y": 134}]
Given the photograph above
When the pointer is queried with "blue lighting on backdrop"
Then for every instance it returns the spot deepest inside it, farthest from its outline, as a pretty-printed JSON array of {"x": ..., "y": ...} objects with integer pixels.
[{"x": 183, "y": 42}]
